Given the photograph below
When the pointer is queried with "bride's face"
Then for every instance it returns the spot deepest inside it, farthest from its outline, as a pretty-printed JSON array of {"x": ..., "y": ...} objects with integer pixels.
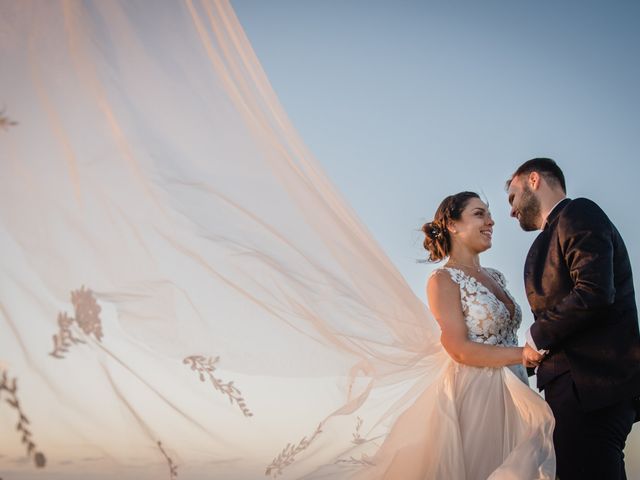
[{"x": 474, "y": 229}]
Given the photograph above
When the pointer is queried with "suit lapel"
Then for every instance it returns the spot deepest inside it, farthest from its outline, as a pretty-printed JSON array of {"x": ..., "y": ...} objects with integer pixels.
[
  {"x": 535, "y": 263},
  {"x": 553, "y": 215}
]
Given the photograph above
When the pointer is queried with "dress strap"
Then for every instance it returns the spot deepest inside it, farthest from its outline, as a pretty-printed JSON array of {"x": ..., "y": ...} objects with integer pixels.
[
  {"x": 458, "y": 276},
  {"x": 497, "y": 276}
]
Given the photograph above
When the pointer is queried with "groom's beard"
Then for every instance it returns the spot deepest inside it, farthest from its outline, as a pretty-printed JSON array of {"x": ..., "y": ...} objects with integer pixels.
[{"x": 529, "y": 211}]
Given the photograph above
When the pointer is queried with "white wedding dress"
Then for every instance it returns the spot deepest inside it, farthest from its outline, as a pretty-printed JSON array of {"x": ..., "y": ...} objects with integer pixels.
[{"x": 473, "y": 423}]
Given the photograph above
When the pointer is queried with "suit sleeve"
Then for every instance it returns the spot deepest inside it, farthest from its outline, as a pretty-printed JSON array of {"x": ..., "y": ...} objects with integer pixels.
[{"x": 586, "y": 241}]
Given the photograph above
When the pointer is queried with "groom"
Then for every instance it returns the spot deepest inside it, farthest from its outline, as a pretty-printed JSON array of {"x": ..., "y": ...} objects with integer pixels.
[{"x": 584, "y": 340}]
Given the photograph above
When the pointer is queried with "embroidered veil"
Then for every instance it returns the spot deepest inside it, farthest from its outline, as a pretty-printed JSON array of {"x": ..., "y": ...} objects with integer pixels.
[{"x": 183, "y": 292}]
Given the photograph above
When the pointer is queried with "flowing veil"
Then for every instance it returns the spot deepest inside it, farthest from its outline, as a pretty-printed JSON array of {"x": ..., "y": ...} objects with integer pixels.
[
  {"x": 183, "y": 292},
  {"x": 182, "y": 288}
]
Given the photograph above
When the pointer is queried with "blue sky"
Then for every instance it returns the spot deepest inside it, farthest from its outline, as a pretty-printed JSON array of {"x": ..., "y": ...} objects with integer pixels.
[{"x": 405, "y": 102}]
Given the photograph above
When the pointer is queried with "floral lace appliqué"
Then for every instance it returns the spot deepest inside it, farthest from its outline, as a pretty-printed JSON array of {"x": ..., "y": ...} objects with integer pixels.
[{"x": 488, "y": 319}]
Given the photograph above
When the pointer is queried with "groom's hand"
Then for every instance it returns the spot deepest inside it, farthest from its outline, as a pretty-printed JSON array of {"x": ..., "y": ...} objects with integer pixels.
[{"x": 530, "y": 357}]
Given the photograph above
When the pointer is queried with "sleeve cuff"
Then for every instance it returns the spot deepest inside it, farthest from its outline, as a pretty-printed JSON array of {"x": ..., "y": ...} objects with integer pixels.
[{"x": 533, "y": 345}]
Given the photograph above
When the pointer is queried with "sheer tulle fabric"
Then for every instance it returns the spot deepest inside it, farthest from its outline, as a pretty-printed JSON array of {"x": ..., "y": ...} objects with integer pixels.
[
  {"x": 183, "y": 292},
  {"x": 472, "y": 423}
]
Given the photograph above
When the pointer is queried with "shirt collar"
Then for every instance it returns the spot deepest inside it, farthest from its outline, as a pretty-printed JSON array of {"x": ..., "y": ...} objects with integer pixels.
[{"x": 546, "y": 219}]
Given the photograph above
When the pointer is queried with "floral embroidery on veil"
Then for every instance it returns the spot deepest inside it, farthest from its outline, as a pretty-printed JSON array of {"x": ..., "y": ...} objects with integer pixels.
[
  {"x": 205, "y": 368},
  {"x": 10, "y": 386},
  {"x": 287, "y": 456},
  {"x": 173, "y": 468},
  {"x": 87, "y": 318}
]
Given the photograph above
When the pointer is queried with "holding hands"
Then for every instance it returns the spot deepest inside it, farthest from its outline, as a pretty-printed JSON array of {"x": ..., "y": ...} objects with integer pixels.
[{"x": 531, "y": 358}]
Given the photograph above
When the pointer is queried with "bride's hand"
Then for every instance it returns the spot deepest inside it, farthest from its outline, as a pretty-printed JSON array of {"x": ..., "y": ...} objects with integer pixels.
[{"x": 530, "y": 357}]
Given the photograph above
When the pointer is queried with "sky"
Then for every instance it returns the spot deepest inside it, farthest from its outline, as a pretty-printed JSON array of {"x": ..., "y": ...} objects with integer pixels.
[{"x": 406, "y": 102}]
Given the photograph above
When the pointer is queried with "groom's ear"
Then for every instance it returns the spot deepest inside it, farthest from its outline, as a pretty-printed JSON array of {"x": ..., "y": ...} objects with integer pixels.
[{"x": 534, "y": 180}]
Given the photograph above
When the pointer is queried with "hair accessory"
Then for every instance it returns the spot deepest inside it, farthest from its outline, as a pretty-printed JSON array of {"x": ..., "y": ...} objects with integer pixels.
[{"x": 436, "y": 231}]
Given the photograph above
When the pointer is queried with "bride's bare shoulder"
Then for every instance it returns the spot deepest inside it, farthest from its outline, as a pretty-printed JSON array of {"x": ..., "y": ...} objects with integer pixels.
[
  {"x": 443, "y": 295},
  {"x": 441, "y": 280}
]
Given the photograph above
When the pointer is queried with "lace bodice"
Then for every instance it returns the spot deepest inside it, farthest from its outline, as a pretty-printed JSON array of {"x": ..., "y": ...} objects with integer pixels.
[{"x": 488, "y": 319}]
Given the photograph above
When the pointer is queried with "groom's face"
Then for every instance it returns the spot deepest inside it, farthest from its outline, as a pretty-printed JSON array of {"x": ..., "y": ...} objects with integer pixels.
[{"x": 525, "y": 205}]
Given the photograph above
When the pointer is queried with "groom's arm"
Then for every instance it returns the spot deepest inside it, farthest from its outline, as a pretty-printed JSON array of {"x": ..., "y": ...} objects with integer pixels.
[{"x": 586, "y": 240}]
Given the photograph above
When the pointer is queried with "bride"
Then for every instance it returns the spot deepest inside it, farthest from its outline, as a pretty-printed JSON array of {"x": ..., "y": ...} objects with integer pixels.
[{"x": 484, "y": 421}]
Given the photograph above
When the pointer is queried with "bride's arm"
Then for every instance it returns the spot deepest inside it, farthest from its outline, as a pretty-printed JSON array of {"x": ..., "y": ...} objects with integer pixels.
[{"x": 444, "y": 301}]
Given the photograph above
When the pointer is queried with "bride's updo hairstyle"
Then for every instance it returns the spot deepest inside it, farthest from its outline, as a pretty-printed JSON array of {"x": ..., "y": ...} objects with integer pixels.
[{"x": 437, "y": 240}]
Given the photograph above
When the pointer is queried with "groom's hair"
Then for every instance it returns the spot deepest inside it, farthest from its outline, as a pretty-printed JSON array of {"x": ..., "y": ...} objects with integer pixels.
[{"x": 546, "y": 167}]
